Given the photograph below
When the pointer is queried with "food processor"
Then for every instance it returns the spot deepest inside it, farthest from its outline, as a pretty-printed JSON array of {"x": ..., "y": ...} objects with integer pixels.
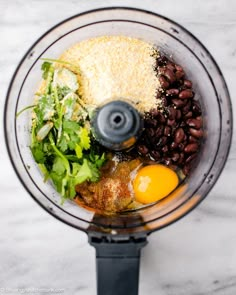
[{"x": 119, "y": 238}]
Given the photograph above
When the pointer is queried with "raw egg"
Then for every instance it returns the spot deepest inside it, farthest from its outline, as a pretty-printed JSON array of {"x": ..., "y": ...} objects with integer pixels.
[{"x": 154, "y": 182}]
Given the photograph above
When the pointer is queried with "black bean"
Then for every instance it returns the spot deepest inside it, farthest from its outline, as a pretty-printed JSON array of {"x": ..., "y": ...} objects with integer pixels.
[
  {"x": 150, "y": 132},
  {"x": 159, "y": 131},
  {"x": 148, "y": 123},
  {"x": 164, "y": 83},
  {"x": 191, "y": 148},
  {"x": 179, "y": 103},
  {"x": 178, "y": 114},
  {"x": 187, "y": 83},
  {"x": 173, "y": 128},
  {"x": 185, "y": 94},
  {"x": 172, "y": 92},
  {"x": 167, "y": 161},
  {"x": 169, "y": 75},
  {"x": 164, "y": 101},
  {"x": 182, "y": 124},
  {"x": 191, "y": 158},
  {"x": 192, "y": 139},
  {"x": 186, "y": 169},
  {"x": 179, "y": 135},
  {"x": 196, "y": 108},
  {"x": 199, "y": 118},
  {"x": 179, "y": 68},
  {"x": 154, "y": 112},
  {"x": 171, "y": 113},
  {"x": 161, "y": 118},
  {"x": 154, "y": 123},
  {"x": 142, "y": 149},
  {"x": 175, "y": 157},
  {"x": 186, "y": 108},
  {"x": 174, "y": 145},
  {"x": 179, "y": 75},
  {"x": 162, "y": 60},
  {"x": 197, "y": 124},
  {"x": 155, "y": 155},
  {"x": 165, "y": 149},
  {"x": 188, "y": 115},
  {"x": 196, "y": 133},
  {"x": 162, "y": 141},
  {"x": 158, "y": 94},
  {"x": 170, "y": 66},
  {"x": 181, "y": 146},
  {"x": 181, "y": 158},
  {"x": 171, "y": 122},
  {"x": 167, "y": 131}
]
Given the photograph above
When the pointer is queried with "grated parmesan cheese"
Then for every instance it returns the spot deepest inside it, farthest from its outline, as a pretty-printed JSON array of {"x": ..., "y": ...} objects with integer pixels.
[{"x": 115, "y": 67}]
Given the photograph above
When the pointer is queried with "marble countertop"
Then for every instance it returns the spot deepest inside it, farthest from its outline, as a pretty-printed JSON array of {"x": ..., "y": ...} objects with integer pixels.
[{"x": 195, "y": 256}]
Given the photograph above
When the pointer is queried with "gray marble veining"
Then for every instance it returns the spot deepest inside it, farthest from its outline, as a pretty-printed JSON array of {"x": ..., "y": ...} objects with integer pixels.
[{"x": 195, "y": 256}]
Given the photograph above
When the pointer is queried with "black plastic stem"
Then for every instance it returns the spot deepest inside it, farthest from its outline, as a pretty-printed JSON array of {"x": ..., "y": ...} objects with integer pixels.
[{"x": 117, "y": 265}]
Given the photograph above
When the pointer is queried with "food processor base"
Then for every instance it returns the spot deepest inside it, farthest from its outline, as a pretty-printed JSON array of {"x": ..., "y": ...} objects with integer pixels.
[{"x": 117, "y": 264}]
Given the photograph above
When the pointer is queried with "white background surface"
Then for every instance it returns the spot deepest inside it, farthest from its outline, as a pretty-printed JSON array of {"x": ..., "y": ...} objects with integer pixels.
[{"x": 195, "y": 256}]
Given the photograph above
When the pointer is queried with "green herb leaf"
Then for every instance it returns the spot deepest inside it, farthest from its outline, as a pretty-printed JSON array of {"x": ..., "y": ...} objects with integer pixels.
[
  {"x": 38, "y": 153},
  {"x": 65, "y": 78},
  {"x": 62, "y": 92},
  {"x": 70, "y": 127},
  {"x": 45, "y": 109},
  {"x": 100, "y": 160},
  {"x": 77, "y": 70},
  {"x": 78, "y": 151},
  {"x": 58, "y": 166},
  {"x": 85, "y": 173},
  {"x": 23, "y": 110},
  {"x": 45, "y": 68},
  {"x": 63, "y": 143},
  {"x": 59, "y": 182},
  {"x": 84, "y": 138}
]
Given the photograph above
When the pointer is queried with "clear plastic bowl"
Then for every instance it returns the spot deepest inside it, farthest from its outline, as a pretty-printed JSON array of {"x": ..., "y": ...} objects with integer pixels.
[{"x": 209, "y": 86}]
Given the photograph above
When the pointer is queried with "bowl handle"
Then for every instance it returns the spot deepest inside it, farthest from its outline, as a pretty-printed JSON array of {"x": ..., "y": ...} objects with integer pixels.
[{"x": 117, "y": 263}]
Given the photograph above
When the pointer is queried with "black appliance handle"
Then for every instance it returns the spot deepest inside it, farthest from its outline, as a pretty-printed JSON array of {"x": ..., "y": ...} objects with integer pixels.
[{"x": 117, "y": 264}]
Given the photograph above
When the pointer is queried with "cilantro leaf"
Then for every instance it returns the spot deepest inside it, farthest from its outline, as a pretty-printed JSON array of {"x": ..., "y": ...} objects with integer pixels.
[
  {"x": 63, "y": 143},
  {"x": 62, "y": 92},
  {"x": 78, "y": 151},
  {"x": 58, "y": 166},
  {"x": 84, "y": 138},
  {"x": 69, "y": 137},
  {"x": 45, "y": 68},
  {"x": 58, "y": 175},
  {"x": 45, "y": 109},
  {"x": 100, "y": 160},
  {"x": 94, "y": 171},
  {"x": 65, "y": 78},
  {"x": 59, "y": 182},
  {"x": 86, "y": 172},
  {"x": 71, "y": 193},
  {"x": 38, "y": 153}
]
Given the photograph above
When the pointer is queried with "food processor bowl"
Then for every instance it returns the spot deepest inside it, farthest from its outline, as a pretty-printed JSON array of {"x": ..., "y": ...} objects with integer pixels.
[{"x": 109, "y": 234}]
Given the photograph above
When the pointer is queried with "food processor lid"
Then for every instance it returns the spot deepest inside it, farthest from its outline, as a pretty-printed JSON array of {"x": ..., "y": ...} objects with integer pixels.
[{"x": 116, "y": 125}]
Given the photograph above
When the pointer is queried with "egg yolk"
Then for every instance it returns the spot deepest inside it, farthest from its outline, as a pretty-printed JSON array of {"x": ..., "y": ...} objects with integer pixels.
[{"x": 154, "y": 182}]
